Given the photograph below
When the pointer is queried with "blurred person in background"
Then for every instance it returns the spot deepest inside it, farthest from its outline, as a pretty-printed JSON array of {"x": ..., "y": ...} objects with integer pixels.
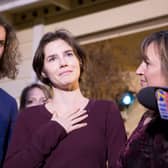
[{"x": 33, "y": 95}]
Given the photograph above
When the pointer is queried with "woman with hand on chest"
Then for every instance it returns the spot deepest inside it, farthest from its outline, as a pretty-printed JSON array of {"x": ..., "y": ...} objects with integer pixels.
[{"x": 70, "y": 130}]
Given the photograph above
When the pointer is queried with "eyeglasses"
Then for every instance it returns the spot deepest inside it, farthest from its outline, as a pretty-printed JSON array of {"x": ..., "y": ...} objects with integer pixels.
[
  {"x": 2, "y": 43},
  {"x": 163, "y": 33}
]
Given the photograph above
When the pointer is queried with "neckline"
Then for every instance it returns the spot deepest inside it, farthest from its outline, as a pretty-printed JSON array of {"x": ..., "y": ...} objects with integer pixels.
[{"x": 86, "y": 107}]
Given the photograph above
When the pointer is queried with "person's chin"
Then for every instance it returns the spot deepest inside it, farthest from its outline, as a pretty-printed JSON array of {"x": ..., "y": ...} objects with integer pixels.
[{"x": 143, "y": 85}]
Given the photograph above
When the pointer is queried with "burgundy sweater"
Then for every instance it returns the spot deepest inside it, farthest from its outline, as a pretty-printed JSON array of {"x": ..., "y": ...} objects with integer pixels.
[
  {"x": 147, "y": 147},
  {"x": 38, "y": 142}
]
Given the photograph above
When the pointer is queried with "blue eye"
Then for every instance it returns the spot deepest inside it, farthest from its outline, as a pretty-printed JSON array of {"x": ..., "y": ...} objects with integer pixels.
[
  {"x": 52, "y": 58},
  {"x": 69, "y": 54}
]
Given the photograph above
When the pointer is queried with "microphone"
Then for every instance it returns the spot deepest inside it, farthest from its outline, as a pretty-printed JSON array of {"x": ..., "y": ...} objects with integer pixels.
[
  {"x": 156, "y": 99},
  {"x": 146, "y": 97}
]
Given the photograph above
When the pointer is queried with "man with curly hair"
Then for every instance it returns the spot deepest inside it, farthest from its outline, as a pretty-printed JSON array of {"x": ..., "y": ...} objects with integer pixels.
[{"x": 9, "y": 58}]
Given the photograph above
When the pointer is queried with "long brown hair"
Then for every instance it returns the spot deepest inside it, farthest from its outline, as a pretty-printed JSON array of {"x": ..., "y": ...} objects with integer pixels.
[{"x": 11, "y": 55}]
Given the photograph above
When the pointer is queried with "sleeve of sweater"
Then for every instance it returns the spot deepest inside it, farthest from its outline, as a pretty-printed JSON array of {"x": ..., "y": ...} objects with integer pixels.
[
  {"x": 116, "y": 135},
  {"x": 29, "y": 150}
]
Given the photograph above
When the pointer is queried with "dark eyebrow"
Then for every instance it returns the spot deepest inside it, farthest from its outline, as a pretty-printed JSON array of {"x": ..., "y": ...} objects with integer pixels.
[
  {"x": 70, "y": 50},
  {"x": 52, "y": 55}
]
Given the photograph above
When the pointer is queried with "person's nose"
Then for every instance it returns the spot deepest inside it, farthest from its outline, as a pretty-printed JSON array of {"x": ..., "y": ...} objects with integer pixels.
[
  {"x": 63, "y": 62},
  {"x": 140, "y": 69}
]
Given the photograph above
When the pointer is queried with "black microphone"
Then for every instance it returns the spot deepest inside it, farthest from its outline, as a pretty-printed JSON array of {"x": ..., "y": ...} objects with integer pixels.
[
  {"x": 155, "y": 98},
  {"x": 146, "y": 97}
]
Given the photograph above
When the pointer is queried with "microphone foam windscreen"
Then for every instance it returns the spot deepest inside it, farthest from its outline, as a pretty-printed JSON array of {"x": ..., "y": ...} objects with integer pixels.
[{"x": 146, "y": 97}]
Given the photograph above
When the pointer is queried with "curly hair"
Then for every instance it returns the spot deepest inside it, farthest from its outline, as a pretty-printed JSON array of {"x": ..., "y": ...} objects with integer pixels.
[{"x": 11, "y": 54}]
